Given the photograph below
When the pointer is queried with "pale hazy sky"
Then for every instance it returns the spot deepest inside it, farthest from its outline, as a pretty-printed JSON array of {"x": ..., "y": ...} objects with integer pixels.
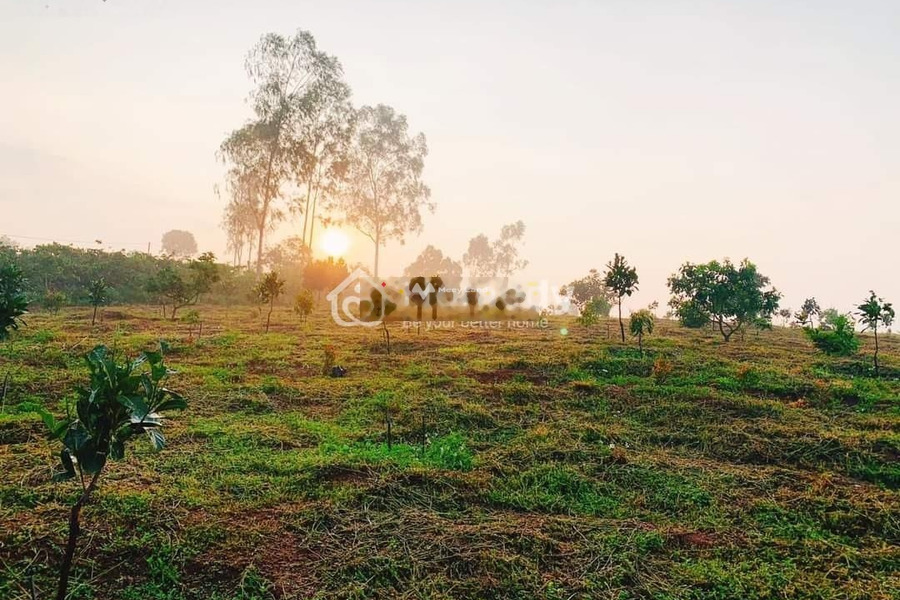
[{"x": 665, "y": 130}]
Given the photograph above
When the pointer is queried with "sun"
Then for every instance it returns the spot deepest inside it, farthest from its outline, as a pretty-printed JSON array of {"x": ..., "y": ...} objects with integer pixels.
[{"x": 335, "y": 242}]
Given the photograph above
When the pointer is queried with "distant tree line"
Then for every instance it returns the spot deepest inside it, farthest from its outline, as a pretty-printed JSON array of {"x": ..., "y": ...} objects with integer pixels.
[
  {"x": 57, "y": 275},
  {"x": 51, "y": 270}
]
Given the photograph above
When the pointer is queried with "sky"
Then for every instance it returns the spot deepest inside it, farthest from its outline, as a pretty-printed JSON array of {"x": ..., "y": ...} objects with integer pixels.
[{"x": 667, "y": 130}]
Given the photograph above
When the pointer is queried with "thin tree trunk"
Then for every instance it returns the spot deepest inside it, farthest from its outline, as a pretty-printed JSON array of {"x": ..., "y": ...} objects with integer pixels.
[
  {"x": 876, "y": 350},
  {"x": 306, "y": 216},
  {"x": 94, "y": 318},
  {"x": 74, "y": 530},
  {"x": 269, "y": 316},
  {"x": 725, "y": 335},
  {"x": 621, "y": 324},
  {"x": 312, "y": 219},
  {"x": 259, "y": 250},
  {"x": 377, "y": 248}
]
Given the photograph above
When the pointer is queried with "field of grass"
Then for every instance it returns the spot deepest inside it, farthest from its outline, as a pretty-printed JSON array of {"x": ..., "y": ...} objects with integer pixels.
[{"x": 524, "y": 464}]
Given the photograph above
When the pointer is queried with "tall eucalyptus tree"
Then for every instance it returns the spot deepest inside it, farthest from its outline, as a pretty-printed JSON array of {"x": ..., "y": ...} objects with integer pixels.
[{"x": 293, "y": 80}]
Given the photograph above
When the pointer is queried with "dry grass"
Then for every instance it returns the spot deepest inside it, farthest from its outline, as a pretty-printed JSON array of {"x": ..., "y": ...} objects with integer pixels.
[{"x": 554, "y": 466}]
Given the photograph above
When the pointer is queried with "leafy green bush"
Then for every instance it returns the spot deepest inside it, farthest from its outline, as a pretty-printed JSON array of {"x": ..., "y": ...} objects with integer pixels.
[
  {"x": 838, "y": 339},
  {"x": 641, "y": 324},
  {"x": 98, "y": 295},
  {"x": 267, "y": 291},
  {"x": 54, "y": 300},
  {"x": 303, "y": 304},
  {"x": 13, "y": 303},
  {"x": 591, "y": 311}
]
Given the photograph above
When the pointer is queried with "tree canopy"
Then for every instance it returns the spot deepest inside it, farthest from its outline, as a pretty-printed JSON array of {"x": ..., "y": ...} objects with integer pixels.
[
  {"x": 589, "y": 291},
  {"x": 384, "y": 195},
  {"x": 875, "y": 312},
  {"x": 719, "y": 292},
  {"x": 179, "y": 243},
  {"x": 485, "y": 258},
  {"x": 621, "y": 280},
  {"x": 433, "y": 262}
]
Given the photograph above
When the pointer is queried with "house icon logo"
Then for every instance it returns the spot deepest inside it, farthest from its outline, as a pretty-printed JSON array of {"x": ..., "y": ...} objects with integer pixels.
[{"x": 353, "y": 297}]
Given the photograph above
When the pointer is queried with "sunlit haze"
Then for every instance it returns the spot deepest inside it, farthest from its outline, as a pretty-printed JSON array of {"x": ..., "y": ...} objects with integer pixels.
[
  {"x": 507, "y": 299},
  {"x": 666, "y": 131},
  {"x": 335, "y": 243}
]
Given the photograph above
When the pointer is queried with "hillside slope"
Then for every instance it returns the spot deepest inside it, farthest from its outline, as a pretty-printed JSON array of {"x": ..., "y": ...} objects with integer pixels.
[{"x": 524, "y": 464}]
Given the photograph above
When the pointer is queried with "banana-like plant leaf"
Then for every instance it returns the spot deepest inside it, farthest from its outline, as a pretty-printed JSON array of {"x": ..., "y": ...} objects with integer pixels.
[
  {"x": 175, "y": 402},
  {"x": 148, "y": 421},
  {"x": 136, "y": 363},
  {"x": 149, "y": 387},
  {"x": 76, "y": 438},
  {"x": 90, "y": 460},
  {"x": 158, "y": 371},
  {"x": 156, "y": 438},
  {"x": 117, "y": 449},
  {"x": 56, "y": 428},
  {"x": 136, "y": 405}
]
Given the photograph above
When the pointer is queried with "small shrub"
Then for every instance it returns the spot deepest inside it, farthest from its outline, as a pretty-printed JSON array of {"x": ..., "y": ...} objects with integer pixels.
[
  {"x": 328, "y": 362},
  {"x": 54, "y": 300},
  {"x": 592, "y": 311},
  {"x": 588, "y": 316},
  {"x": 748, "y": 377},
  {"x": 872, "y": 313},
  {"x": 641, "y": 324},
  {"x": 267, "y": 291},
  {"x": 662, "y": 368},
  {"x": 192, "y": 320},
  {"x": 839, "y": 339},
  {"x": 121, "y": 402},
  {"x": 303, "y": 304},
  {"x": 98, "y": 295}
]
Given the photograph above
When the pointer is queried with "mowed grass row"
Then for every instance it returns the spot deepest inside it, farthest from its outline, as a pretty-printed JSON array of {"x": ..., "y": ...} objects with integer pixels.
[{"x": 523, "y": 464}]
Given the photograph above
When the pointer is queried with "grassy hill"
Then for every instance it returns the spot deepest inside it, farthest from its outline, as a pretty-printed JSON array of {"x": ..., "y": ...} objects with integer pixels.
[{"x": 524, "y": 464}]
